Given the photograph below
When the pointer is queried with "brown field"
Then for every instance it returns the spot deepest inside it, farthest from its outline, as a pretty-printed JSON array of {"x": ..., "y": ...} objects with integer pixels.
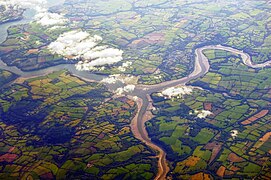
[
  {"x": 7, "y": 50},
  {"x": 155, "y": 37},
  {"x": 210, "y": 121},
  {"x": 265, "y": 137},
  {"x": 148, "y": 70},
  {"x": 215, "y": 147},
  {"x": 11, "y": 149},
  {"x": 31, "y": 51},
  {"x": 101, "y": 136},
  {"x": 255, "y": 117},
  {"x": 152, "y": 38},
  {"x": 234, "y": 168},
  {"x": 139, "y": 43},
  {"x": 221, "y": 171},
  {"x": 228, "y": 173},
  {"x": 192, "y": 161},
  {"x": 47, "y": 176},
  {"x": 8, "y": 157},
  {"x": 261, "y": 141},
  {"x": 208, "y": 106},
  {"x": 235, "y": 158},
  {"x": 201, "y": 176},
  {"x": 217, "y": 111},
  {"x": 261, "y": 160},
  {"x": 41, "y": 59}
]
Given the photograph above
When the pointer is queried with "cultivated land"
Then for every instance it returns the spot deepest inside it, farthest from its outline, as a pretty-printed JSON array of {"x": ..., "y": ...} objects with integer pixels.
[
  {"x": 158, "y": 36},
  {"x": 10, "y": 14},
  {"x": 61, "y": 126},
  {"x": 238, "y": 97},
  {"x": 6, "y": 77}
]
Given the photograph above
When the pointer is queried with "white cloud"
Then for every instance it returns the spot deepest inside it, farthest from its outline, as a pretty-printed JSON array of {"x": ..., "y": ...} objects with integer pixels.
[
  {"x": 56, "y": 27},
  {"x": 234, "y": 133},
  {"x": 81, "y": 45},
  {"x": 129, "y": 88},
  {"x": 203, "y": 113},
  {"x": 110, "y": 80},
  {"x": 125, "y": 79},
  {"x": 74, "y": 44},
  {"x": 158, "y": 77},
  {"x": 101, "y": 61},
  {"x": 49, "y": 19},
  {"x": 83, "y": 66},
  {"x": 38, "y": 5},
  {"x": 103, "y": 53},
  {"x": 125, "y": 66},
  {"x": 129, "y": 82},
  {"x": 119, "y": 91},
  {"x": 43, "y": 17},
  {"x": 178, "y": 91},
  {"x": 125, "y": 89},
  {"x": 135, "y": 98}
]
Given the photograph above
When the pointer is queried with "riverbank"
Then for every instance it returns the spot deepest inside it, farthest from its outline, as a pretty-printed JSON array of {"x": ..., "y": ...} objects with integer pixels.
[
  {"x": 144, "y": 101},
  {"x": 143, "y": 92}
]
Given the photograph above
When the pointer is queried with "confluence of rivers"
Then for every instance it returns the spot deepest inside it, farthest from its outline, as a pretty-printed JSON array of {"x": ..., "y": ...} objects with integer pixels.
[{"x": 143, "y": 92}]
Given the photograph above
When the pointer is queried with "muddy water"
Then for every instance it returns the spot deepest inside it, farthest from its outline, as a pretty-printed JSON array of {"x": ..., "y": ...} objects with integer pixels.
[{"x": 141, "y": 91}]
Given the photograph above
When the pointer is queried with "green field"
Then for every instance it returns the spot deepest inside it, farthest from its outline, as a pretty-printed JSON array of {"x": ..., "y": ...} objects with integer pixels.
[
  {"x": 238, "y": 97},
  {"x": 60, "y": 126},
  {"x": 158, "y": 38}
]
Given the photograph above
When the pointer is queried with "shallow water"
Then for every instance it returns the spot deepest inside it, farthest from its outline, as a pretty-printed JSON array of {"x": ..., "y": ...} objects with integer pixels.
[{"x": 28, "y": 17}]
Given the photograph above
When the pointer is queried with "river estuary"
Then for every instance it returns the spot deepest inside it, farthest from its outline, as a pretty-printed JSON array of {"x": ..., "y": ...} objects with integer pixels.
[{"x": 143, "y": 92}]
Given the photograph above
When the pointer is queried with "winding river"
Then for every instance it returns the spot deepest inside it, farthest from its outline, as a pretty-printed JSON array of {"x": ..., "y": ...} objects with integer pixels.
[
  {"x": 201, "y": 67},
  {"x": 143, "y": 92}
]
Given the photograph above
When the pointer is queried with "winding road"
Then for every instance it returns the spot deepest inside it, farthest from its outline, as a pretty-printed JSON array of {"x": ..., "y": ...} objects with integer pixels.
[{"x": 142, "y": 92}]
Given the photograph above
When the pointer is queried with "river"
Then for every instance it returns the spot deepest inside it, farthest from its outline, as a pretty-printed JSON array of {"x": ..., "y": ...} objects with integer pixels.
[{"x": 141, "y": 91}]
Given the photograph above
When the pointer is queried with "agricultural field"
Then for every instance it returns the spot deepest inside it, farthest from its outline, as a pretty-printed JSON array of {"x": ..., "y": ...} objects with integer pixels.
[
  {"x": 157, "y": 37},
  {"x": 27, "y": 43},
  {"x": 6, "y": 77},
  {"x": 200, "y": 123},
  {"x": 59, "y": 126},
  {"x": 233, "y": 139},
  {"x": 229, "y": 75},
  {"x": 10, "y": 14}
]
